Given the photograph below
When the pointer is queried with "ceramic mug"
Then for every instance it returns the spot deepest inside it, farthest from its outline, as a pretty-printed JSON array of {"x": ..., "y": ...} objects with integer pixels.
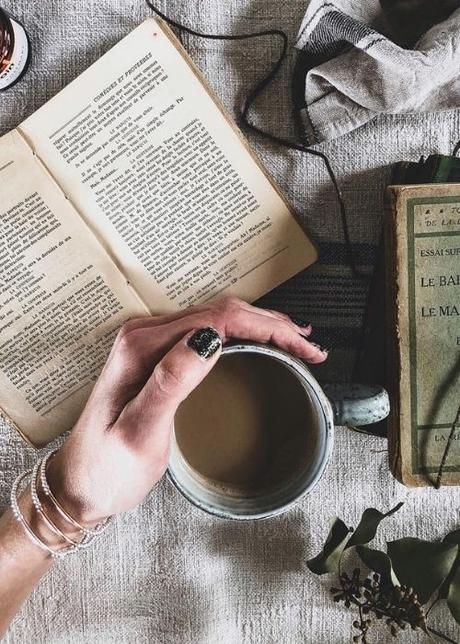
[{"x": 334, "y": 404}]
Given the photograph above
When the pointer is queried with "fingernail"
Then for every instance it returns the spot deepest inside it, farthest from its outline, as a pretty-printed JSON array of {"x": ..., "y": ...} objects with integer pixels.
[
  {"x": 318, "y": 346},
  {"x": 205, "y": 342},
  {"x": 302, "y": 323}
]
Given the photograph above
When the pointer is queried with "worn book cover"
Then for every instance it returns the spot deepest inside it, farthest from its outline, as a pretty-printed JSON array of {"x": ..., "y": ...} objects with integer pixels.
[
  {"x": 422, "y": 239},
  {"x": 370, "y": 365}
]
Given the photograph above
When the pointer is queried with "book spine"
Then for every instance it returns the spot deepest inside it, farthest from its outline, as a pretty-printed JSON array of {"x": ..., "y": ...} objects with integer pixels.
[{"x": 393, "y": 359}]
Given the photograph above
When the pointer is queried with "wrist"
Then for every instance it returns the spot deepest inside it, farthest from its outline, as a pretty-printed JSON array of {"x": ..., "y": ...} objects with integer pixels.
[
  {"x": 67, "y": 493},
  {"x": 19, "y": 557},
  {"x": 15, "y": 546},
  {"x": 35, "y": 511},
  {"x": 39, "y": 525}
]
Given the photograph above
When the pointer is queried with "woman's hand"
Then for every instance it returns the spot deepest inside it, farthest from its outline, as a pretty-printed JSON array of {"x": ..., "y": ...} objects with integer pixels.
[{"x": 119, "y": 447}]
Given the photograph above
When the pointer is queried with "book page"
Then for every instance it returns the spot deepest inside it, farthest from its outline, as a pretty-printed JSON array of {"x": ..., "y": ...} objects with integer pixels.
[
  {"x": 166, "y": 179},
  {"x": 62, "y": 300}
]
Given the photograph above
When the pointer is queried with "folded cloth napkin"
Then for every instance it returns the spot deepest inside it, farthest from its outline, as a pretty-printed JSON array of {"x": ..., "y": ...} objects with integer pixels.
[{"x": 348, "y": 71}]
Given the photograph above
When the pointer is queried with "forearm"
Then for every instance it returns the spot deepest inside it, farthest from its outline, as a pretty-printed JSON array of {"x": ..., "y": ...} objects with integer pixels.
[
  {"x": 25, "y": 557},
  {"x": 22, "y": 563}
]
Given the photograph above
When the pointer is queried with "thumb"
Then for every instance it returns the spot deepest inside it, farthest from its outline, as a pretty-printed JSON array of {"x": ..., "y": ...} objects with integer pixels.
[{"x": 178, "y": 373}]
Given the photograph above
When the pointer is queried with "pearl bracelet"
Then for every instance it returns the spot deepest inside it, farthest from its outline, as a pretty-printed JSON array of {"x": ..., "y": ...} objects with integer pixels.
[
  {"x": 28, "y": 530},
  {"x": 84, "y": 543},
  {"x": 89, "y": 534},
  {"x": 94, "y": 532}
]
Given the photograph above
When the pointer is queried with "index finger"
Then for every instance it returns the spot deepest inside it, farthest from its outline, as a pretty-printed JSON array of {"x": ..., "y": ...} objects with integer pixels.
[{"x": 232, "y": 321}]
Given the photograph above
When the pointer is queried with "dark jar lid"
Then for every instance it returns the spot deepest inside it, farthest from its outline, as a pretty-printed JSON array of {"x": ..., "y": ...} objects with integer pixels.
[
  {"x": 14, "y": 50},
  {"x": 6, "y": 38}
]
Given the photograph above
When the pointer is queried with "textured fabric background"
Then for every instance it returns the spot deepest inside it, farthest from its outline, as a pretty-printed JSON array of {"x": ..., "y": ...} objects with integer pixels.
[{"x": 167, "y": 573}]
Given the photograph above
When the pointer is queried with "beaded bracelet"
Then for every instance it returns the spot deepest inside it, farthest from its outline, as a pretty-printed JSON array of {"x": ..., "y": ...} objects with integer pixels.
[
  {"x": 94, "y": 532},
  {"x": 89, "y": 534},
  {"x": 21, "y": 519},
  {"x": 84, "y": 543}
]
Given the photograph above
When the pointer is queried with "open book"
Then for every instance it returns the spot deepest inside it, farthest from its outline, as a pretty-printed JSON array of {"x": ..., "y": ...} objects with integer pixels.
[{"x": 130, "y": 193}]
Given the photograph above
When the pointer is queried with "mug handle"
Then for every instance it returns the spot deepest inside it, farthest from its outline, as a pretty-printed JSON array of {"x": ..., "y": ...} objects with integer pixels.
[{"x": 355, "y": 405}]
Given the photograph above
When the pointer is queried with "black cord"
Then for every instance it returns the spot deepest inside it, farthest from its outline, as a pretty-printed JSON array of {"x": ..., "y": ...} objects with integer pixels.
[
  {"x": 450, "y": 440},
  {"x": 245, "y": 122},
  {"x": 456, "y": 149}
]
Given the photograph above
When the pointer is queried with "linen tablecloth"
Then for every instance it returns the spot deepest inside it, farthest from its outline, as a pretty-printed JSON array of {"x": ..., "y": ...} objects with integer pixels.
[{"x": 167, "y": 573}]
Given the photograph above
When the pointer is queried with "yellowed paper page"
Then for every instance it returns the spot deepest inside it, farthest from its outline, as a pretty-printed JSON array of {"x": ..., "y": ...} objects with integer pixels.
[
  {"x": 62, "y": 299},
  {"x": 165, "y": 179}
]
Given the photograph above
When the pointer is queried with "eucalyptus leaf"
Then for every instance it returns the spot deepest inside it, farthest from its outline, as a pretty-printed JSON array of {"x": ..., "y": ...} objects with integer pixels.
[
  {"x": 379, "y": 562},
  {"x": 423, "y": 565},
  {"x": 329, "y": 558},
  {"x": 367, "y": 527},
  {"x": 453, "y": 596},
  {"x": 452, "y": 537}
]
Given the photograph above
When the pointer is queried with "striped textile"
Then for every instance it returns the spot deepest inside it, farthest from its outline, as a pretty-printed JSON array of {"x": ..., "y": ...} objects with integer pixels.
[{"x": 350, "y": 69}]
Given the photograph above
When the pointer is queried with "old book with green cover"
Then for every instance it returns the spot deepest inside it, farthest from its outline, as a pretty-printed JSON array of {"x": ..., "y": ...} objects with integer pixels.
[{"x": 422, "y": 240}]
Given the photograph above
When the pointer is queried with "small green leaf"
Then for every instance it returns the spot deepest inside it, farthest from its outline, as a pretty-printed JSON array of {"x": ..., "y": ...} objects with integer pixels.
[
  {"x": 423, "y": 565},
  {"x": 379, "y": 562},
  {"x": 368, "y": 525},
  {"x": 452, "y": 537},
  {"x": 453, "y": 596},
  {"x": 328, "y": 559}
]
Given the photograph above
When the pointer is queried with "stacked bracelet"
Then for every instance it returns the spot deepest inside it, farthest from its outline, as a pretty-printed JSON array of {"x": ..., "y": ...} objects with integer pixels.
[
  {"x": 20, "y": 517},
  {"x": 94, "y": 532},
  {"x": 89, "y": 534},
  {"x": 39, "y": 508}
]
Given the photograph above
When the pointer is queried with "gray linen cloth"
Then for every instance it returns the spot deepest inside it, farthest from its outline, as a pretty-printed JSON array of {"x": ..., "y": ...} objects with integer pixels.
[{"x": 353, "y": 72}]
